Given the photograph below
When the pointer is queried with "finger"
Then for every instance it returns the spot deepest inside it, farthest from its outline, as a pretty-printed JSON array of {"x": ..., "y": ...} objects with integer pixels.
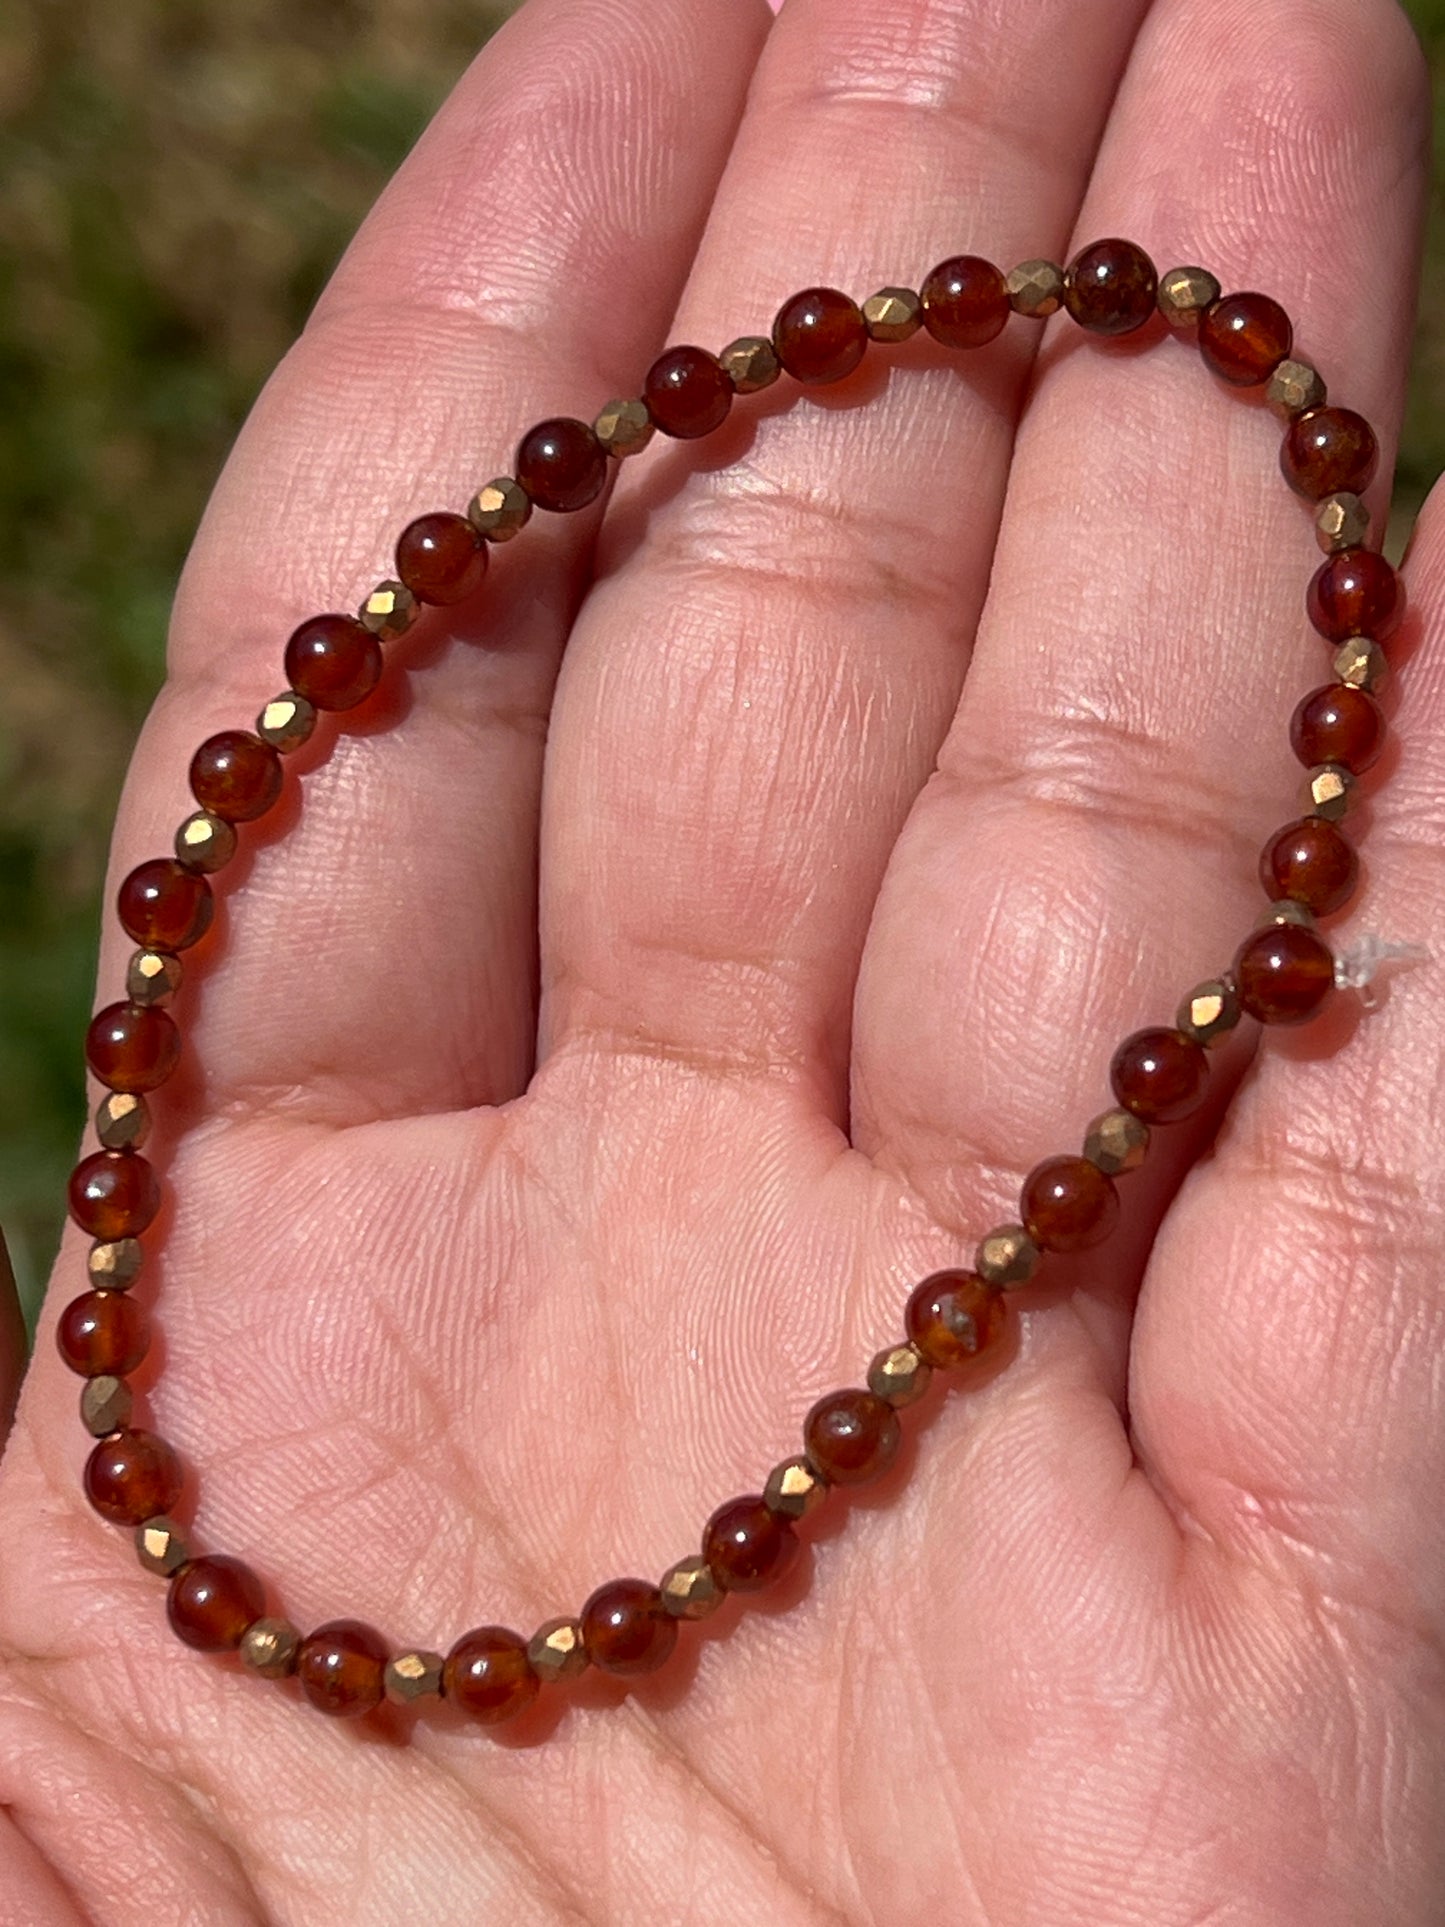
[
  {"x": 758, "y": 688},
  {"x": 481, "y": 295},
  {"x": 12, "y": 1342}
]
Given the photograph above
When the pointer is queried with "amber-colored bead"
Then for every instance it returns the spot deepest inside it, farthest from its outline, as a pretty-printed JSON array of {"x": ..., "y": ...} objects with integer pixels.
[
  {"x": 688, "y": 393},
  {"x": 131, "y": 1476},
  {"x": 1110, "y": 286},
  {"x": 1327, "y": 451},
  {"x": 747, "y": 1546},
  {"x": 165, "y": 906},
  {"x": 954, "y": 1317},
  {"x": 1159, "y": 1075},
  {"x": 333, "y": 661},
  {"x": 1355, "y": 593},
  {"x": 103, "y": 1331},
  {"x": 441, "y": 558},
  {"x": 851, "y": 1436},
  {"x": 1068, "y": 1204},
  {"x": 131, "y": 1047},
  {"x": 561, "y": 464},
  {"x": 342, "y": 1667},
  {"x": 965, "y": 301},
  {"x": 1338, "y": 724},
  {"x": 236, "y": 776},
  {"x": 212, "y": 1601},
  {"x": 114, "y": 1194},
  {"x": 626, "y": 1627},
  {"x": 1310, "y": 862},
  {"x": 488, "y": 1675},
  {"x": 820, "y": 335},
  {"x": 1244, "y": 338},
  {"x": 1285, "y": 973}
]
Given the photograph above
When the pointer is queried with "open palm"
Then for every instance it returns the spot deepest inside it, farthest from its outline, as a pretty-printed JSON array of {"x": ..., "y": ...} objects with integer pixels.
[{"x": 574, "y": 1093}]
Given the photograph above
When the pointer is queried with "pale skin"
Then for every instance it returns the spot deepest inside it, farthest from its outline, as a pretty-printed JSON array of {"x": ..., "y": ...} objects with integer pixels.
[{"x": 694, "y": 944}]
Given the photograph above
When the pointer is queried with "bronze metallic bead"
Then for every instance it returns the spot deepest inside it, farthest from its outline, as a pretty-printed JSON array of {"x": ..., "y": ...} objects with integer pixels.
[
  {"x": 1362, "y": 664},
  {"x": 1329, "y": 792},
  {"x": 624, "y": 428},
  {"x": 161, "y": 1545},
  {"x": 1035, "y": 288},
  {"x": 689, "y": 1590},
  {"x": 1293, "y": 387},
  {"x": 1285, "y": 910},
  {"x": 893, "y": 314},
  {"x": 389, "y": 611},
  {"x": 794, "y": 1489},
  {"x": 899, "y": 1375},
  {"x": 1341, "y": 522},
  {"x": 269, "y": 1647},
  {"x": 1209, "y": 1013},
  {"x": 751, "y": 363},
  {"x": 286, "y": 722},
  {"x": 105, "y": 1405},
  {"x": 114, "y": 1264},
  {"x": 205, "y": 842},
  {"x": 123, "y": 1121},
  {"x": 413, "y": 1676},
  {"x": 1184, "y": 294},
  {"x": 555, "y": 1651},
  {"x": 1007, "y": 1257},
  {"x": 500, "y": 510},
  {"x": 1117, "y": 1142},
  {"x": 152, "y": 977}
]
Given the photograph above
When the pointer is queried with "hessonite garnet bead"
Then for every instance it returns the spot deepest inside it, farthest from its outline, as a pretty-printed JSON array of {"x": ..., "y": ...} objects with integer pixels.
[
  {"x": 441, "y": 558},
  {"x": 1338, "y": 724},
  {"x": 212, "y": 1600},
  {"x": 236, "y": 776},
  {"x": 965, "y": 302},
  {"x": 747, "y": 1546},
  {"x": 953, "y": 1317},
  {"x": 626, "y": 1628},
  {"x": 851, "y": 1436},
  {"x": 341, "y": 1667},
  {"x": 333, "y": 661},
  {"x": 1110, "y": 287},
  {"x": 132, "y": 1047},
  {"x": 164, "y": 906},
  {"x": 103, "y": 1331},
  {"x": 1284, "y": 973},
  {"x": 114, "y": 1194},
  {"x": 131, "y": 1476},
  {"x": 1244, "y": 338},
  {"x": 1159, "y": 1075},
  {"x": 1329, "y": 451},
  {"x": 488, "y": 1674},
  {"x": 688, "y": 393},
  {"x": 820, "y": 335},
  {"x": 1067, "y": 1204},
  {"x": 1310, "y": 862},
  {"x": 561, "y": 464},
  {"x": 1355, "y": 593}
]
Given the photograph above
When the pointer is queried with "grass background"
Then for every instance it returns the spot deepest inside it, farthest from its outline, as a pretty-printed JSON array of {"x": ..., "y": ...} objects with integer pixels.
[{"x": 175, "y": 184}]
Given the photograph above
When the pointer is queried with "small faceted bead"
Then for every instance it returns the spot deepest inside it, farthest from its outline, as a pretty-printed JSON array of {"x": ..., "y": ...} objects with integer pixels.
[
  {"x": 103, "y": 1331},
  {"x": 953, "y": 1317},
  {"x": 1068, "y": 1204},
  {"x": 486, "y": 1673},
  {"x": 236, "y": 775},
  {"x": 1329, "y": 791},
  {"x": 965, "y": 302},
  {"x": 269, "y": 1648},
  {"x": 413, "y": 1676},
  {"x": 1312, "y": 863},
  {"x": 164, "y": 906},
  {"x": 794, "y": 1489},
  {"x": 500, "y": 509},
  {"x": 114, "y": 1194},
  {"x": 333, "y": 662},
  {"x": 689, "y": 1589},
  {"x": 205, "y": 842},
  {"x": 161, "y": 1546},
  {"x": 1117, "y": 1141},
  {"x": 751, "y": 363},
  {"x": 747, "y": 1546},
  {"x": 287, "y": 721},
  {"x": 625, "y": 428},
  {"x": 1035, "y": 289},
  {"x": 820, "y": 335},
  {"x": 132, "y": 1048},
  {"x": 389, "y": 611},
  {"x": 1342, "y": 522},
  {"x": 558, "y": 1651},
  {"x": 1285, "y": 910},
  {"x": 1338, "y": 724},
  {"x": 626, "y": 1627},
  {"x": 688, "y": 393},
  {"x": 1159, "y": 1075},
  {"x": 441, "y": 558},
  {"x": 341, "y": 1667},
  {"x": 105, "y": 1405},
  {"x": 893, "y": 314},
  {"x": 123, "y": 1121},
  {"x": 152, "y": 978},
  {"x": 1209, "y": 1013},
  {"x": 1362, "y": 664},
  {"x": 1285, "y": 974},
  {"x": 561, "y": 464},
  {"x": 131, "y": 1476},
  {"x": 1007, "y": 1257},
  {"x": 851, "y": 1436},
  {"x": 899, "y": 1375},
  {"x": 1326, "y": 451},
  {"x": 1110, "y": 287},
  {"x": 114, "y": 1264},
  {"x": 1355, "y": 593},
  {"x": 1186, "y": 295},
  {"x": 1244, "y": 337},
  {"x": 212, "y": 1601},
  {"x": 1293, "y": 387}
]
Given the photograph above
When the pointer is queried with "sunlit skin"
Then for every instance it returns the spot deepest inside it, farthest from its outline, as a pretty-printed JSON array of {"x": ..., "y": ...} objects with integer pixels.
[{"x": 584, "y": 1064}]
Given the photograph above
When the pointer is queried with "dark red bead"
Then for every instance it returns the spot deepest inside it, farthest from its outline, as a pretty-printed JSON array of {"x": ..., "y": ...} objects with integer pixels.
[
  {"x": 626, "y": 1628},
  {"x": 341, "y": 1667},
  {"x": 132, "y": 1476},
  {"x": 1244, "y": 338},
  {"x": 114, "y": 1194},
  {"x": 164, "y": 906},
  {"x": 103, "y": 1331},
  {"x": 212, "y": 1600},
  {"x": 953, "y": 1317},
  {"x": 132, "y": 1047},
  {"x": 1338, "y": 724},
  {"x": 820, "y": 335},
  {"x": 850, "y": 1436},
  {"x": 965, "y": 301},
  {"x": 1159, "y": 1075},
  {"x": 746, "y": 1546},
  {"x": 1329, "y": 451},
  {"x": 236, "y": 776},
  {"x": 1284, "y": 974},
  {"x": 561, "y": 464},
  {"x": 441, "y": 558},
  {"x": 1068, "y": 1203},
  {"x": 688, "y": 393},
  {"x": 488, "y": 1675},
  {"x": 1110, "y": 287},
  {"x": 1310, "y": 862},
  {"x": 1355, "y": 593},
  {"x": 333, "y": 661}
]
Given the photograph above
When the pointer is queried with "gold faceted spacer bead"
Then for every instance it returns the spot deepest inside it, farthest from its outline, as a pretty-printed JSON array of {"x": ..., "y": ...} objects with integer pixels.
[
  {"x": 500, "y": 509},
  {"x": 624, "y": 428},
  {"x": 1007, "y": 1257},
  {"x": 114, "y": 1264},
  {"x": 1286, "y": 910},
  {"x": 751, "y": 362},
  {"x": 556, "y": 1651},
  {"x": 161, "y": 1545},
  {"x": 286, "y": 722},
  {"x": 152, "y": 977},
  {"x": 1209, "y": 1013},
  {"x": 1293, "y": 387},
  {"x": 1341, "y": 522},
  {"x": 689, "y": 1590},
  {"x": 1329, "y": 792},
  {"x": 1035, "y": 288},
  {"x": 893, "y": 314},
  {"x": 389, "y": 611},
  {"x": 205, "y": 842},
  {"x": 794, "y": 1489},
  {"x": 123, "y": 1121},
  {"x": 1116, "y": 1142},
  {"x": 1184, "y": 294},
  {"x": 270, "y": 1646},
  {"x": 105, "y": 1405},
  {"x": 899, "y": 1375},
  {"x": 413, "y": 1676},
  {"x": 1361, "y": 663}
]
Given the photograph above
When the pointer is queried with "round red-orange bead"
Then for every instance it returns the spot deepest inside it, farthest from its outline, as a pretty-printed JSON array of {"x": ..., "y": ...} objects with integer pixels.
[
  {"x": 132, "y": 1047},
  {"x": 1068, "y": 1203},
  {"x": 851, "y": 1436},
  {"x": 747, "y": 1546},
  {"x": 1283, "y": 974},
  {"x": 1244, "y": 338},
  {"x": 1159, "y": 1075},
  {"x": 1110, "y": 287},
  {"x": 236, "y": 776},
  {"x": 1329, "y": 451},
  {"x": 1310, "y": 862},
  {"x": 1355, "y": 593},
  {"x": 212, "y": 1600},
  {"x": 103, "y": 1331},
  {"x": 688, "y": 392},
  {"x": 441, "y": 558},
  {"x": 131, "y": 1476},
  {"x": 820, "y": 335},
  {"x": 342, "y": 1667},
  {"x": 488, "y": 1674},
  {"x": 114, "y": 1194},
  {"x": 1338, "y": 724},
  {"x": 164, "y": 906},
  {"x": 561, "y": 464},
  {"x": 626, "y": 1628},
  {"x": 953, "y": 1317},
  {"x": 965, "y": 301},
  {"x": 333, "y": 661}
]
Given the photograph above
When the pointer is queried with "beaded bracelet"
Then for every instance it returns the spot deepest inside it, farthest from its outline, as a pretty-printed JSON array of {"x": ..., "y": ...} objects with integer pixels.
[{"x": 1283, "y": 972}]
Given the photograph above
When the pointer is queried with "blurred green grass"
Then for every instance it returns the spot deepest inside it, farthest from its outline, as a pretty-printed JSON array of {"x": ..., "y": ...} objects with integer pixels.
[{"x": 175, "y": 185}]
